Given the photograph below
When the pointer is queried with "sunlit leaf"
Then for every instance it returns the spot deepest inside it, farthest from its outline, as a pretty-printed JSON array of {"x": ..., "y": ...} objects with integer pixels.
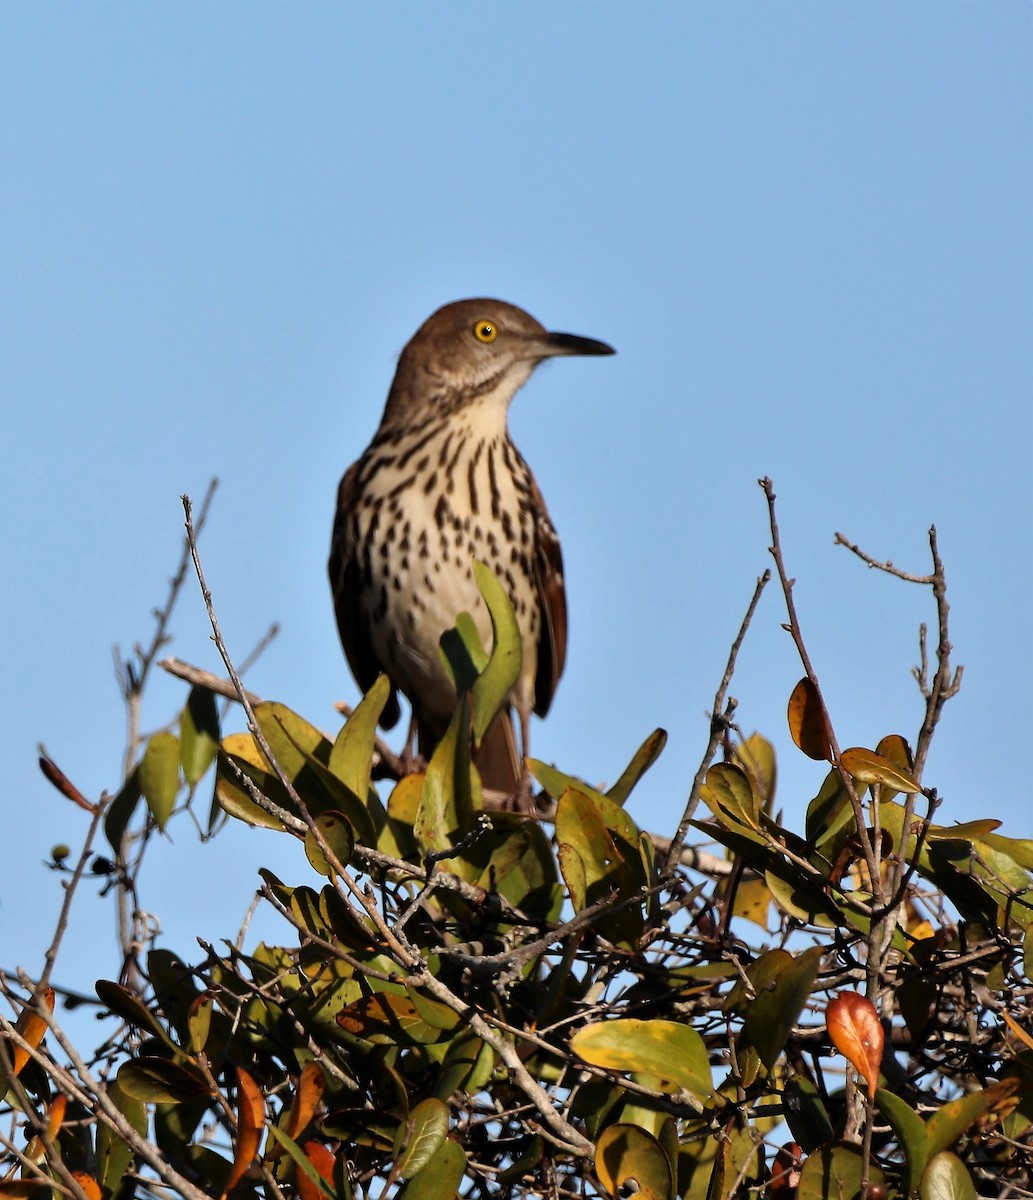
[
  {"x": 598, "y": 854},
  {"x": 446, "y": 798},
  {"x": 857, "y": 1033},
  {"x": 666, "y": 1049},
  {"x": 868, "y": 767},
  {"x": 809, "y": 722},
  {"x": 159, "y": 776},
  {"x": 632, "y": 1163},
  {"x": 556, "y": 782},
  {"x": 492, "y": 687},
  {"x": 351, "y": 758},
  {"x": 337, "y": 833},
  {"x": 199, "y": 1022},
  {"x": 946, "y": 1178},
  {"x": 729, "y": 792},
  {"x": 756, "y": 756},
  {"x": 643, "y": 759},
  {"x": 388, "y": 1019},
  {"x": 952, "y": 1119}
]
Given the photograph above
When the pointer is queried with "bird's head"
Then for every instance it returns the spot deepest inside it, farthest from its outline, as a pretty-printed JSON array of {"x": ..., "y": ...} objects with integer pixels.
[{"x": 475, "y": 351}]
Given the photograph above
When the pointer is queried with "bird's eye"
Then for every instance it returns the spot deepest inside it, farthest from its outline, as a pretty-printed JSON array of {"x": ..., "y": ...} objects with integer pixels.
[{"x": 485, "y": 331}]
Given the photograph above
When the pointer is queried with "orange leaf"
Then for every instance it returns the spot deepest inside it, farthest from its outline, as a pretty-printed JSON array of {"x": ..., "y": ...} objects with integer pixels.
[
  {"x": 250, "y": 1123},
  {"x": 88, "y": 1184},
  {"x": 32, "y": 1027},
  {"x": 857, "y": 1034},
  {"x": 809, "y": 722},
  {"x": 311, "y": 1086},
  {"x": 56, "y": 1114},
  {"x": 324, "y": 1162}
]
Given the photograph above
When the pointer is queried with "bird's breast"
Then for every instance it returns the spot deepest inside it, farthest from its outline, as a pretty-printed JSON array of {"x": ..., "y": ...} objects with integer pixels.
[{"x": 430, "y": 503}]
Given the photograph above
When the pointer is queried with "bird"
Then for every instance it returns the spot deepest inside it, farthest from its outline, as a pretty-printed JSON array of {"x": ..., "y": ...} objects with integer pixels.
[{"x": 442, "y": 484}]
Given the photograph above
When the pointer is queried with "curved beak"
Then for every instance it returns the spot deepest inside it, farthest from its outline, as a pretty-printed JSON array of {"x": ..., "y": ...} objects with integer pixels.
[{"x": 570, "y": 343}]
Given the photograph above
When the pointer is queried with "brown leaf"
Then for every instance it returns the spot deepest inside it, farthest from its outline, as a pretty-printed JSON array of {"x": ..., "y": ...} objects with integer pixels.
[
  {"x": 857, "y": 1034},
  {"x": 809, "y": 722},
  {"x": 250, "y": 1123}
]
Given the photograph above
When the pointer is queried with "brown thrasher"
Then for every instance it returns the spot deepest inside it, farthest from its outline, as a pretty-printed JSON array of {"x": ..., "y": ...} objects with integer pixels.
[{"x": 441, "y": 484}]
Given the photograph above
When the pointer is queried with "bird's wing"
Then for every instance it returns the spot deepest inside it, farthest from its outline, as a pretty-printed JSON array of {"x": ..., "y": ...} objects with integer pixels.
[
  {"x": 345, "y": 580},
  {"x": 548, "y": 579}
]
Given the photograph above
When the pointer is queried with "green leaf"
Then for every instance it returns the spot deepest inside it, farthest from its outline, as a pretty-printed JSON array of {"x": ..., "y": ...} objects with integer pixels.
[
  {"x": 120, "y": 812},
  {"x": 492, "y": 687},
  {"x": 158, "y": 1081},
  {"x": 339, "y": 836},
  {"x": 598, "y": 853},
  {"x": 465, "y": 656},
  {"x": 351, "y": 758},
  {"x": 644, "y": 757},
  {"x": 447, "y": 796},
  {"x": 805, "y": 1113},
  {"x": 910, "y": 1132},
  {"x": 834, "y": 1173},
  {"x": 198, "y": 734},
  {"x": 159, "y": 776},
  {"x": 667, "y": 1049},
  {"x": 419, "y": 1137},
  {"x": 946, "y": 1178},
  {"x": 729, "y": 794},
  {"x": 556, "y": 782},
  {"x": 113, "y": 1154},
  {"x": 756, "y": 756},
  {"x": 628, "y": 1159},
  {"x": 124, "y": 1003},
  {"x": 951, "y": 1120},
  {"x": 440, "y": 1178},
  {"x": 782, "y": 983},
  {"x": 829, "y": 812}
]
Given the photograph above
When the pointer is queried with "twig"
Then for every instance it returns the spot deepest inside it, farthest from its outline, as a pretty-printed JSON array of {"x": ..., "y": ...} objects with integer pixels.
[
  {"x": 719, "y": 722},
  {"x": 390, "y": 762},
  {"x": 869, "y": 849}
]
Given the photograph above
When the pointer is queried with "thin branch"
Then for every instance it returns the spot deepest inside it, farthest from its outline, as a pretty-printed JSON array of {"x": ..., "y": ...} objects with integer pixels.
[{"x": 719, "y": 723}]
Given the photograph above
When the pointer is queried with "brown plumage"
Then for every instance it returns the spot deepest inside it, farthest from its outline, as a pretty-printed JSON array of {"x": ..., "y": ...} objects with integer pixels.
[{"x": 441, "y": 484}]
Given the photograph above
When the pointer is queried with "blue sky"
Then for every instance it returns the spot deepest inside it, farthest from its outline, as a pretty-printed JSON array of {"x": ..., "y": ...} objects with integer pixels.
[{"x": 805, "y": 227}]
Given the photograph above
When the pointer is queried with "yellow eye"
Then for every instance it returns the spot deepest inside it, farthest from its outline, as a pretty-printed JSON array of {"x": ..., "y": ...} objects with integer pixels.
[{"x": 485, "y": 331}]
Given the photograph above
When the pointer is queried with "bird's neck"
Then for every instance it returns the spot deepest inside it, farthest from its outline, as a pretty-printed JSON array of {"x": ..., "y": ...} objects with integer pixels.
[{"x": 482, "y": 404}]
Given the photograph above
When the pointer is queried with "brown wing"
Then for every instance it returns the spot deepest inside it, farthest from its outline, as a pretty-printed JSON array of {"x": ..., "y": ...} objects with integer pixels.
[
  {"x": 346, "y": 583},
  {"x": 552, "y": 596}
]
